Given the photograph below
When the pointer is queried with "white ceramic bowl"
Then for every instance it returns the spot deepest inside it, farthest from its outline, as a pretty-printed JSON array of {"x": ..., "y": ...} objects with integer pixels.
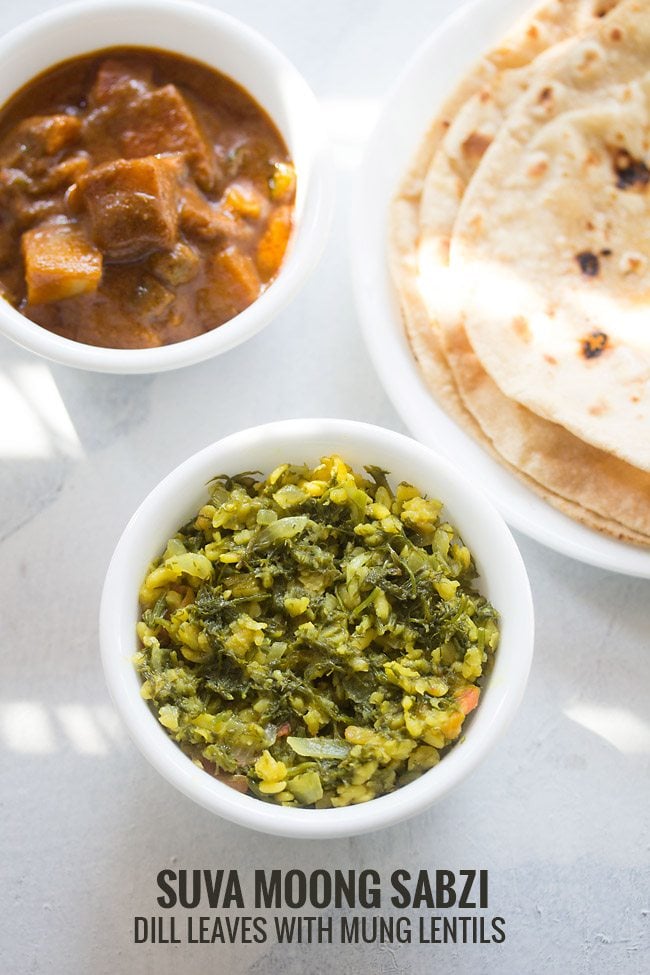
[
  {"x": 235, "y": 50},
  {"x": 502, "y": 578}
]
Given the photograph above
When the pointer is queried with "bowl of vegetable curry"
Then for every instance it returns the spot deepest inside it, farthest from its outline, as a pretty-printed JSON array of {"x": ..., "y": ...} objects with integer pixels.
[{"x": 158, "y": 204}]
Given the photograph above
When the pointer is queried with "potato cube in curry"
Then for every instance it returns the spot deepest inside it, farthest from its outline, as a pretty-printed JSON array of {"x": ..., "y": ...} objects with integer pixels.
[
  {"x": 48, "y": 134},
  {"x": 235, "y": 279},
  {"x": 39, "y": 138},
  {"x": 273, "y": 243},
  {"x": 132, "y": 205},
  {"x": 162, "y": 121},
  {"x": 245, "y": 200},
  {"x": 60, "y": 262}
]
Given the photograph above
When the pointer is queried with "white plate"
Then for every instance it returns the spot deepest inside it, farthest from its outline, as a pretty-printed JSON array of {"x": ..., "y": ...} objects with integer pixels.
[{"x": 409, "y": 109}]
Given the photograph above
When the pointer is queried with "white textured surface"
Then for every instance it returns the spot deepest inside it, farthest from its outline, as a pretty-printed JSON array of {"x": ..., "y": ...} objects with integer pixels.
[{"x": 558, "y": 813}]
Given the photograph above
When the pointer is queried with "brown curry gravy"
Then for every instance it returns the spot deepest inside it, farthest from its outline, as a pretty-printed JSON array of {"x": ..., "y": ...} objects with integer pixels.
[{"x": 152, "y": 273}]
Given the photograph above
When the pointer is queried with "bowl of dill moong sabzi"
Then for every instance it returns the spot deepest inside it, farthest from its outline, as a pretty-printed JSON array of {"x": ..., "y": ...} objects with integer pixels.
[{"x": 316, "y": 628}]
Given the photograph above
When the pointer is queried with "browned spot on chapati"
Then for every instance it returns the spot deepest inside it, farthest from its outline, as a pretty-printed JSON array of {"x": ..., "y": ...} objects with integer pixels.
[
  {"x": 630, "y": 173},
  {"x": 538, "y": 169},
  {"x": 521, "y": 328},
  {"x": 475, "y": 146},
  {"x": 594, "y": 344},
  {"x": 597, "y": 409},
  {"x": 589, "y": 263},
  {"x": 603, "y": 7},
  {"x": 589, "y": 55}
]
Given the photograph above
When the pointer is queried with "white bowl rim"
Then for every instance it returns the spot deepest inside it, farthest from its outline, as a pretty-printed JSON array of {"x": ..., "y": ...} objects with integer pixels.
[
  {"x": 503, "y": 691},
  {"x": 308, "y": 238}
]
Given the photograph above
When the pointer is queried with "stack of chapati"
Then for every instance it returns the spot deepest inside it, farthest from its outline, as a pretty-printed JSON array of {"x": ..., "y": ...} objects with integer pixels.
[{"x": 521, "y": 252}]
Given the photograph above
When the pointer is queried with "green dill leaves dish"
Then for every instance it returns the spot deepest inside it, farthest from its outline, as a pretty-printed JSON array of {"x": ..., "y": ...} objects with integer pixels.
[{"x": 314, "y": 638}]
